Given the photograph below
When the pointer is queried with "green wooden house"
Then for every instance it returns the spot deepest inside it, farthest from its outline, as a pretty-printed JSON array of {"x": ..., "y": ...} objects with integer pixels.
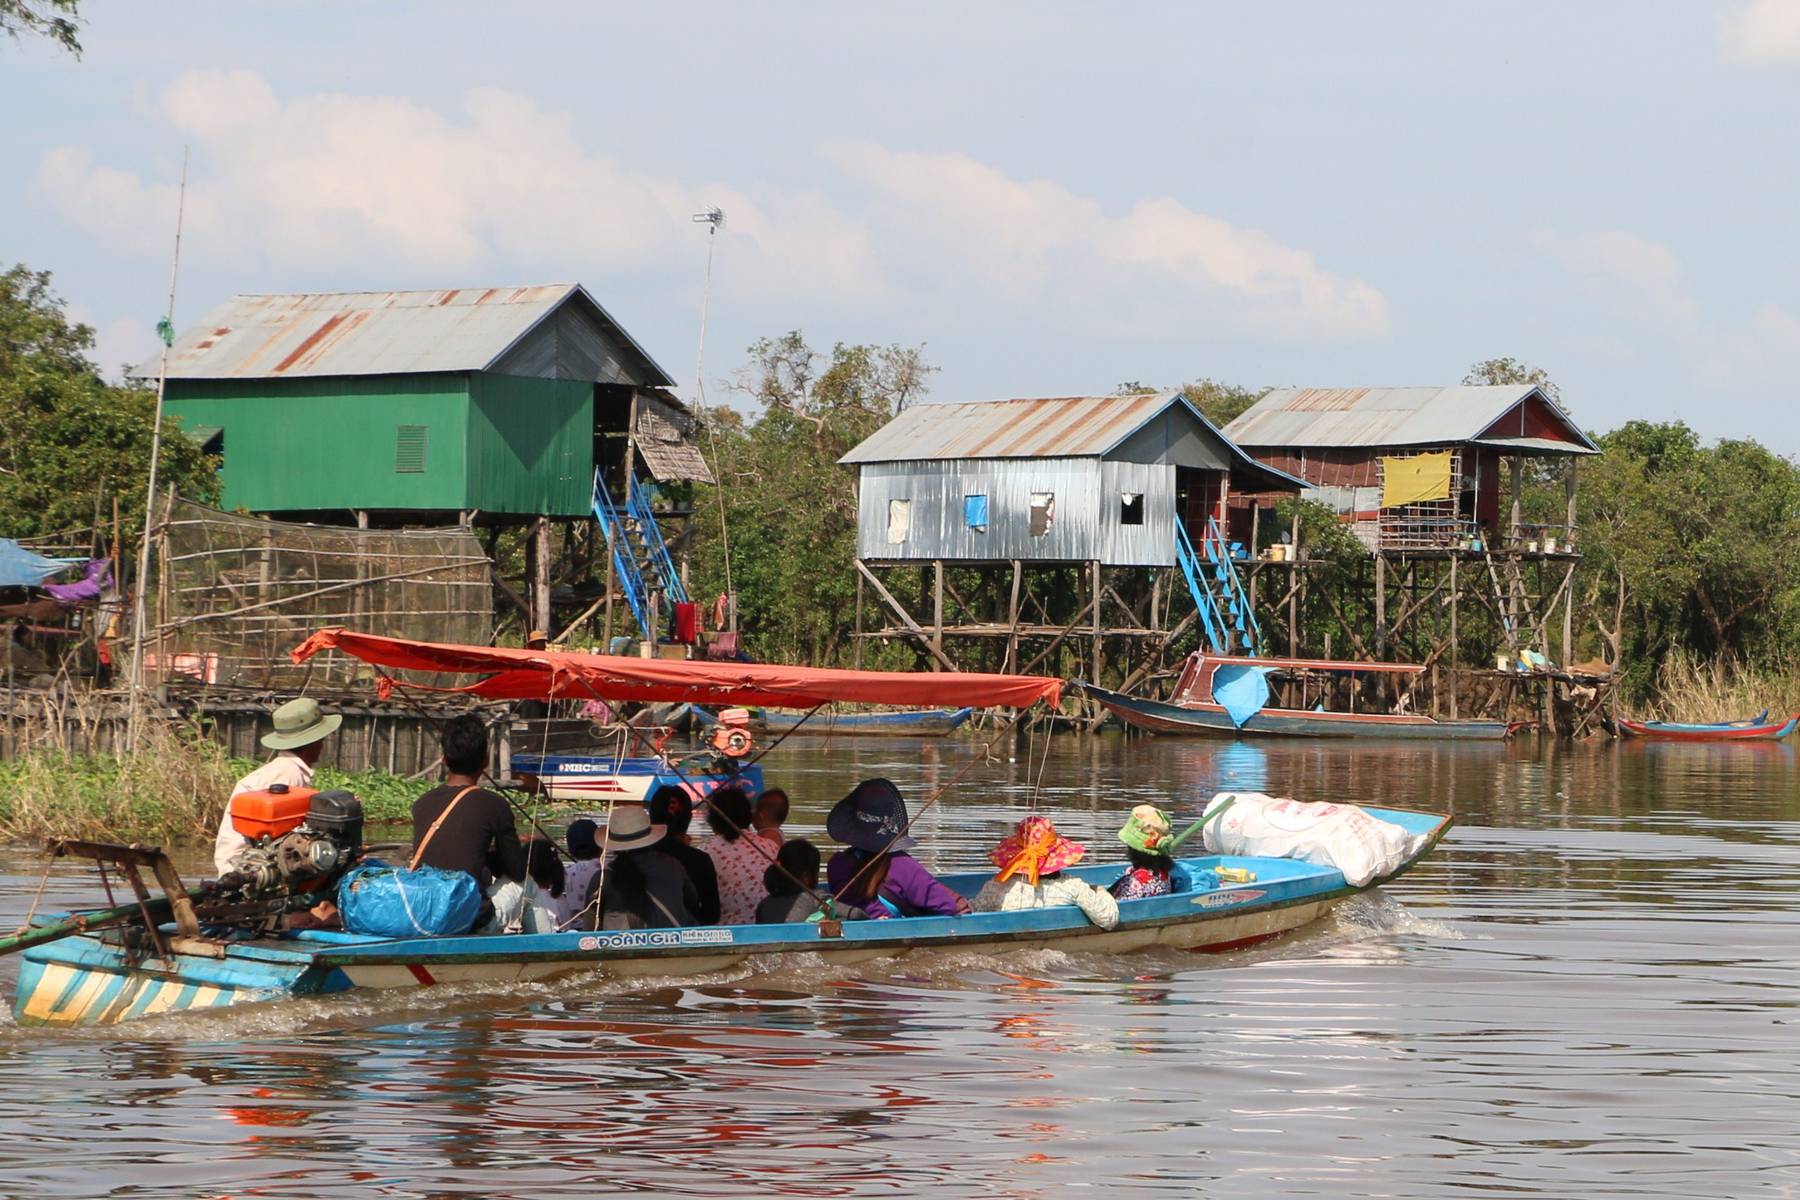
[{"x": 412, "y": 407}]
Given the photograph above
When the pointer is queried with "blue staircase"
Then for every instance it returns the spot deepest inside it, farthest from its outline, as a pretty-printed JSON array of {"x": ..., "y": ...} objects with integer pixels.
[
  {"x": 641, "y": 561},
  {"x": 1226, "y": 619}
]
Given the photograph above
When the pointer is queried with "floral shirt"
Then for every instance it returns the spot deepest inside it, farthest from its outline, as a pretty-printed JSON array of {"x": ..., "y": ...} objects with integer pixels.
[
  {"x": 740, "y": 865},
  {"x": 1140, "y": 882}
]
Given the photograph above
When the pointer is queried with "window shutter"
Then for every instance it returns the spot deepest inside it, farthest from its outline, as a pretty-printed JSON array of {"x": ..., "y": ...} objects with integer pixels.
[{"x": 409, "y": 450}]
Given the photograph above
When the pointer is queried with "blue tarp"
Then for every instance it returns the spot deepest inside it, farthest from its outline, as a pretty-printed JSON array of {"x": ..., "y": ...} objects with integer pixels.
[
  {"x": 1243, "y": 691},
  {"x": 975, "y": 512},
  {"x": 20, "y": 567}
]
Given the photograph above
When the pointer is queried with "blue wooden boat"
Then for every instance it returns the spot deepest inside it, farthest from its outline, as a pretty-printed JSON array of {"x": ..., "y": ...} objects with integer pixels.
[
  {"x": 95, "y": 979},
  {"x": 101, "y": 968},
  {"x": 599, "y": 779},
  {"x": 915, "y": 722},
  {"x": 1194, "y": 710}
]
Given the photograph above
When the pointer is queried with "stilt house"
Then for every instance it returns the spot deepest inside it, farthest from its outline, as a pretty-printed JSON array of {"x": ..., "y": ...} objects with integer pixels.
[
  {"x": 1078, "y": 479},
  {"x": 1421, "y": 468}
]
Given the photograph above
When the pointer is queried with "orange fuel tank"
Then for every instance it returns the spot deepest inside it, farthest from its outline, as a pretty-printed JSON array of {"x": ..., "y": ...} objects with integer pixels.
[{"x": 272, "y": 812}]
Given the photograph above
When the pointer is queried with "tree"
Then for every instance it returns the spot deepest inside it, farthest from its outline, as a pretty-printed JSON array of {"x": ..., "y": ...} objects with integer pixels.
[
  {"x": 68, "y": 440},
  {"x": 57, "y": 20},
  {"x": 1495, "y": 371},
  {"x": 1222, "y": 403}
]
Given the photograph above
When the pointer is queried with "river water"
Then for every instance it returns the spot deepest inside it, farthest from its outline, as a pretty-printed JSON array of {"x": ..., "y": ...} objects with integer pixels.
[{"x": 1589, "y": 990}]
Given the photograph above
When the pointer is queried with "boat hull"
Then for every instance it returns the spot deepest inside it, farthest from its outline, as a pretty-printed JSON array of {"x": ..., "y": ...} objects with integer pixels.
[
  {"x": 1663, "y": 731},
  {"x": 1211, "y": 720},
  {"x": 577, "y": 779},
  {"x": 90, "y": 980},
  {"x": 930, "y": 722}
]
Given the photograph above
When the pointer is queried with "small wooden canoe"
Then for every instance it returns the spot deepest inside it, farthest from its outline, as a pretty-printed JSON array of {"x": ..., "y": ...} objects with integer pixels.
[
  {"x": 1201, "y": 719},
  {"x": 1724, "y": 731}
]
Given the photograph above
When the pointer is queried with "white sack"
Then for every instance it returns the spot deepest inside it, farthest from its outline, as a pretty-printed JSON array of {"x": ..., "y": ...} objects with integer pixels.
[{"x": 1327, "y": 835}]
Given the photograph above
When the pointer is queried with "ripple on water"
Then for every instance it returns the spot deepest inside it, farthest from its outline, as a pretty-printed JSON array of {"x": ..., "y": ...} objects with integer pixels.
[{"x": 1588, "y": 991}]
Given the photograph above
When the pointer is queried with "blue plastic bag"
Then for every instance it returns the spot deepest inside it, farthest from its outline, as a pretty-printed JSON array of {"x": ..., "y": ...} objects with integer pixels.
[{"x": 386, "y": 901}]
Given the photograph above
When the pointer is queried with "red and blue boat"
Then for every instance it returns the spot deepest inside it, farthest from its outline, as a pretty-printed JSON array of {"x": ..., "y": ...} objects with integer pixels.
[{"x": 1757, "y": 729}]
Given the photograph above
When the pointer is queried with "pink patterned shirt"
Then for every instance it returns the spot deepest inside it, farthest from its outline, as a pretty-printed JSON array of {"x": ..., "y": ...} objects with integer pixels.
[{"x": 740, "y": 865}]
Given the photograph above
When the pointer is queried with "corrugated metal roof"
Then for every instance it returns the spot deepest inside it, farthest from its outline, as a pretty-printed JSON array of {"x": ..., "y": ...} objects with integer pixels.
[
  {"x": 1051, "y": 427},
  {"x": 1405, "y": 416},
  {"x": 1543, "y": 445},
  {"x": 303, "y": 334}
]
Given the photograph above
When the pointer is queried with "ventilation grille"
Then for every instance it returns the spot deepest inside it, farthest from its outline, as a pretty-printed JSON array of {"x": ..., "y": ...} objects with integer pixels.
[{"x": 409, "y": 450}]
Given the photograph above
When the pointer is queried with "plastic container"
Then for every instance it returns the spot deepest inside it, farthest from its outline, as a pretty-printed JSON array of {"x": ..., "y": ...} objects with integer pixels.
[{"x": 272, "y": 812}]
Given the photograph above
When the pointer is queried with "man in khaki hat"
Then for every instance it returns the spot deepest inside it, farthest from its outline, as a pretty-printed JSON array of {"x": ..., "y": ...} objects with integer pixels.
[{"x": 301, "y": 728}]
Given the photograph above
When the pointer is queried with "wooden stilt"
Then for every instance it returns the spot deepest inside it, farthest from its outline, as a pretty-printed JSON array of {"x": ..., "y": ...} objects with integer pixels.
[
  {"x": 937, "y": 608},
  {"x": 857, "y": 640}
]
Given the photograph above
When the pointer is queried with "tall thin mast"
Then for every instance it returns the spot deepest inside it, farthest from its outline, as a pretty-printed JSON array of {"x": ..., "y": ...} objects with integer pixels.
[{"x": 139, "y": 615}]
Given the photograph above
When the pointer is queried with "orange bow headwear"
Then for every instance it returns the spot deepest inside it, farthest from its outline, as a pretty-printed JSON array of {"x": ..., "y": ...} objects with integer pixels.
[{"x": 1034, "y": 848}]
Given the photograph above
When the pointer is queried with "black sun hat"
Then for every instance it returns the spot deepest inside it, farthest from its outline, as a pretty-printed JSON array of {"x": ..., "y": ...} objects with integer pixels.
[{"x": 870, "y": 818}]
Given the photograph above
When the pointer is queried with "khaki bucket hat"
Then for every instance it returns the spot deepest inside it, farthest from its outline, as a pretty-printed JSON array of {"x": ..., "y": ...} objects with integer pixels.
[{"x": 301, "y": 723}]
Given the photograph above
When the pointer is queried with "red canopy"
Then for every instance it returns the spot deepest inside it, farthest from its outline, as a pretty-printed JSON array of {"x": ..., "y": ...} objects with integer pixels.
[{"x": 553, "y": 674}]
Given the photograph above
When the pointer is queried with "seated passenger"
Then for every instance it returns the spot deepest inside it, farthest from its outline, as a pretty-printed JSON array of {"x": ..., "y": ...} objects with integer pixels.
[
  {"x": 770, "y": 815},
  {"x": 531, "y": 907},
  {"x": 642, "y": 888},
  {"x": 793, "y": 883},
  {"x": 738, "y": 855},
  {"x": 578, "y": 876},
  {"x": 461, "y": 826},
  {"x": 1031, "y": 859},
  {"x": 876, "y": 873},
  {"x": 671, "y": 806},
  {"x": 1152, "y": 871}
]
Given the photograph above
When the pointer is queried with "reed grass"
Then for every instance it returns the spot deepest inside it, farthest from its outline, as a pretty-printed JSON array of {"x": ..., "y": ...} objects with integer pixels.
[
  {"x": 171, "y": 793},
  {"x": 1696, "y": 690}
]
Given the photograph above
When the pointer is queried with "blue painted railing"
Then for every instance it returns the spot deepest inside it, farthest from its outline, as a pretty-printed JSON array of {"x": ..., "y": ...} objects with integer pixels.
[
  {"x": 1226, "y": 618},
  {"x": 1237, "y": 597},
  {"x": 637, "y": 507},
  {"x": 1211, "y": 619}
]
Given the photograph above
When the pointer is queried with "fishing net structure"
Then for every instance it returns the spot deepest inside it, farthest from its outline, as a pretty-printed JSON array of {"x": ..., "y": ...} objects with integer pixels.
[{"x": 232, "y": 595}]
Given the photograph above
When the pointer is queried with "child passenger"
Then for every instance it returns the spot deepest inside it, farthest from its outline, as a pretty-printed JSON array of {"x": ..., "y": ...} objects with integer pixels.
[
  {"x": 1152, "y": 871},
  {"x": 793, "y": 883},
  {"x": 770, "y": 815},
  {"x": 1031, "y": 860}
]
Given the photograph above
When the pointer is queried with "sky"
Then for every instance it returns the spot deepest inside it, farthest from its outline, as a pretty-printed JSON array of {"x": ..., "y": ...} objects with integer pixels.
[{"x": 1051, "y": 198}]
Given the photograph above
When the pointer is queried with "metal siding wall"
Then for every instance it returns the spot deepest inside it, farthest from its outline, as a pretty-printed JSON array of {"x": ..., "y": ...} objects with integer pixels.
[
  {"x": 1151, "y": 544},
  {"x": 936, "y": 490},
  {"x": 531, "y": 445},
  {"x": 295, "y": 445}
]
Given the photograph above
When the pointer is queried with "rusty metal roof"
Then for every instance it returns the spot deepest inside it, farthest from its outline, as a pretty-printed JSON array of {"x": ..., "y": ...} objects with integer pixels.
[
  {"x": 1403, "y": 416},
  {"x": 1052, "y": 427},
  {"x": 304, "y": 334}
]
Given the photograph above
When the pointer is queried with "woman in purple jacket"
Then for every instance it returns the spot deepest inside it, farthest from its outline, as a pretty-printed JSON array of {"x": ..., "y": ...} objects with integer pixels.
[{"x": 875, "y": 872}]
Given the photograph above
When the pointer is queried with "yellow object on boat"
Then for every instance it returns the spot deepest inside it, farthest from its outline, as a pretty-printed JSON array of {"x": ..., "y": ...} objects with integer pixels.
[{"x": 1235, "y": 874}]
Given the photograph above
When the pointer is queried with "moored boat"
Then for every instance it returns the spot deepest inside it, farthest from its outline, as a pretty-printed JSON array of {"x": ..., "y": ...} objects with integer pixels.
[
  {"x": 1756, "y": 730},
  {"x": 578, "y": 778},
  {"x": 1218, "y": 696}
]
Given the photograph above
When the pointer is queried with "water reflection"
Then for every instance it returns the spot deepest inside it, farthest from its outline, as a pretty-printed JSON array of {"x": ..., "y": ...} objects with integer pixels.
[{"x": 1589, "y": 990}]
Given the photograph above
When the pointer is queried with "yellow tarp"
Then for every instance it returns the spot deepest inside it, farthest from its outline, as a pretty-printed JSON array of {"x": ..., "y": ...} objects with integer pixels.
[{"x": 1415, "y": 478}]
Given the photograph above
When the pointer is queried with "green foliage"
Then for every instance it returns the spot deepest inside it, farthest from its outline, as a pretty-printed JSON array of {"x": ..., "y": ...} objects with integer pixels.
[
  {"x": 1496, "y": 371},
  {"x": 789, "y": 508},
  {"x": 69, "y": 441},
  {"x": 57, "y": 20},
  {"x": 1691, "y": 548},
  {"x": 1222, "y": 403}
]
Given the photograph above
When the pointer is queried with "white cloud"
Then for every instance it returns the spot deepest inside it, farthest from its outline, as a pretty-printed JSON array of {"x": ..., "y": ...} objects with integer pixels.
[
  {"x": 1647, "y": 273},
  {"x": 1762, "y": 33},
  {"x": 1160, "y": 263},
  {"x": 333, "y": 181},
  {"x": 364, "y": 188},
  {"x": 1765, "y": 353}
]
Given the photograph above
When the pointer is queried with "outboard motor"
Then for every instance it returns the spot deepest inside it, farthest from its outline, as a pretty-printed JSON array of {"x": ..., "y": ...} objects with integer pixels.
[{"x": 300, "y": 840}]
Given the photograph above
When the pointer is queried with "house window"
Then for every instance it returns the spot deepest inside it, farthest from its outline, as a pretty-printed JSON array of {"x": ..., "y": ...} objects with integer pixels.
[
  {"x": 1131, "y": 508},
  {"x": 975, "y": 512},
  {"x": 1043, "y": 512},
  {"x": 409, "y": 450},
  {"x": 899, "y": 521}
]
